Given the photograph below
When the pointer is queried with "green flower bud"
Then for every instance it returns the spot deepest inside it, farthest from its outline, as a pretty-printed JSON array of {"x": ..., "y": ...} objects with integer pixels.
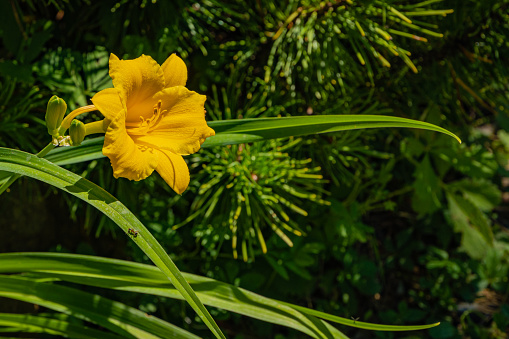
[
  {"x": 77, "y": 132},
  {"x": 55, "y": 114}
]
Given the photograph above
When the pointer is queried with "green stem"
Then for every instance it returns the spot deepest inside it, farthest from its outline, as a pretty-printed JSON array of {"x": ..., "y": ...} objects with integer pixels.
[
  {"x": 15, "y": 177},
  {"x": 9, "y": 182},
  {"x": 97, "y": 127},
  {"x": 45, "y": 150}
]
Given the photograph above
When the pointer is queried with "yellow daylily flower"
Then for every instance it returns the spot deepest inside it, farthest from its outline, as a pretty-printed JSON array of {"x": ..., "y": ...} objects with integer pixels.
[{"x": 154, "y": 119}]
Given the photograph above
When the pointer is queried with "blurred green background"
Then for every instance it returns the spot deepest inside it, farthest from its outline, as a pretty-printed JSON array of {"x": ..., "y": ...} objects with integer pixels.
[{"x": 388, "y": 226}]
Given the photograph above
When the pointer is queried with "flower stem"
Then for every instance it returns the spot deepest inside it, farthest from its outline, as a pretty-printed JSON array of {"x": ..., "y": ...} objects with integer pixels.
[
  {"x": 45, "y": 150},
  {"x": 15, "y": 176},
  {"x": 97, "y": 127},
  {"x": 68, "y": 119}
]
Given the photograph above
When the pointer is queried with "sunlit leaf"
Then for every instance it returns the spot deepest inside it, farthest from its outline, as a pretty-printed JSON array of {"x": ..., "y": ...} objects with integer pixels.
[
  {"x": 30, "y": 165},
  {"x": 237, "y": 131},
  {"x": 128, "y": 276}
]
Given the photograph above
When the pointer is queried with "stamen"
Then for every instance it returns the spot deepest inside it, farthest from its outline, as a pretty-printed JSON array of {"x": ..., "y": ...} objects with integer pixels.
[
  {"x": 157, "y": 108},
  {"x": 147, "y": 125},
  {"x": 143, "y": 122}
]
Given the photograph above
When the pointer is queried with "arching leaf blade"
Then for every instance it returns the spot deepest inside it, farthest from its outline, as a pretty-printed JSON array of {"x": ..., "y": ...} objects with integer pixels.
[
  {"x": 141, "y": 278},
  {"x": 30, "y": 165},
  {"x": 115, "y": 316},
  {"x": 270, "y": 128},
  {"x": 361, "y": 324},
  {"x": 237, "y": 131},
  {"x": 43, "y": 324}
]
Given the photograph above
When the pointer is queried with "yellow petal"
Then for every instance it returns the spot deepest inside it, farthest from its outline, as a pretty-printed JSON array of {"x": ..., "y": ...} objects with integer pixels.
[
  {"x": 108, "y": 103},
  {"x": 131, "y": 161},
  {"x": 137, "y": 81},
  {"x": 173, "y": 169},
  {"x": 175, "y": 71},
  {"x": 182, "y": 128}
]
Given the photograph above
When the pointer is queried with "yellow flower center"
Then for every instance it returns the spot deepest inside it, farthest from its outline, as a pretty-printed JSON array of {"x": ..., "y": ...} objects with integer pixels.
[{"x": 145, "y": 126}]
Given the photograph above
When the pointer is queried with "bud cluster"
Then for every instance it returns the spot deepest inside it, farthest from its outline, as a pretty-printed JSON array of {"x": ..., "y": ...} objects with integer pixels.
[{"x": 56, "y": 124}]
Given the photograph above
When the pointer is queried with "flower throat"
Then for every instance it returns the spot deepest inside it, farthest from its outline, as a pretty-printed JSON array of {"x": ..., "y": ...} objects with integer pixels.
[{"x": 145, "y": 126}]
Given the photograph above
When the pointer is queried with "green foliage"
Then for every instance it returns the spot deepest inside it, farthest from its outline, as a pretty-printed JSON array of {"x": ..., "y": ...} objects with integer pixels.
[
  {"x": 76, "y": 76},
  {"x": 257, "y": 186},
  {"x": 417, "y": 225},
  {"x": 356, "y": 33},
  {"x": 19, "y": 126}
]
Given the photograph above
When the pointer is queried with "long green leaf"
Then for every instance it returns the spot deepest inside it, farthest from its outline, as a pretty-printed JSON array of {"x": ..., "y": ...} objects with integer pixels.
[
  {"x": 134, "y": 277},
  {"x": 29, "y": 165},
  {"x": 230, "y": 132},
  {"x": 249, "y": 130},
  {"x": 115, "y": 316},
  {"x": 31, "y": 323},
  {"x": 360, "y": 324},
  {"x": 146, "y": 279}
]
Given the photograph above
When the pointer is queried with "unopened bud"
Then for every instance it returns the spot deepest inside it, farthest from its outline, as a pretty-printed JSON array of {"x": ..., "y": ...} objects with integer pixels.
[
  {"x": 55, "y": 114},
  {"x": 77, "y": 132}
]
